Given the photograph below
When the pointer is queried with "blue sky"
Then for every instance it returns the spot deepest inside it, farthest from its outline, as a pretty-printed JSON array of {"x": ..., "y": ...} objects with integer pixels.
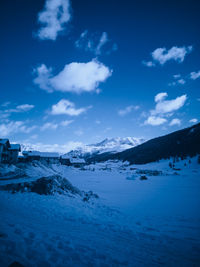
[{"x": 76, "y": 71}]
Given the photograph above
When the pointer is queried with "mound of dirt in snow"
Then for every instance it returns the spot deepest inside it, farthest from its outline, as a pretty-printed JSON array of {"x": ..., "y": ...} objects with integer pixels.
[{"x": 48, "y": 186}]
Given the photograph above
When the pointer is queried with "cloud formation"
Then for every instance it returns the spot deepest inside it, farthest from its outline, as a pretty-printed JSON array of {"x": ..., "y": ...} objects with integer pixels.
[
  {"x": 54, "y": 126},
  {"x": 165, "y": 108},
  {"x": 75, "y": 77},
  {"x": 175, "y": 122},
  {"x": 193, "y": 120},
  {"x": 66, "y": 122},
  {"x": 162, "y": 55},
  {"x": 66, "y": 107},
  {"x": 13, "y": 127},
  {"x": 178, "y": 80},
  {"x": 49, "y": 126},
  {"x": 160, "y": 96},
  {"x": 53, "y": 19},
  {"x": 155, "y": 121},
  {"x": 20, "y": 108},
  {"x": 148, "y": 63},
  {"x": 127, "y": 110},
  {"x": 195, "y": 75},
  {"x": 95, "y": 44}
]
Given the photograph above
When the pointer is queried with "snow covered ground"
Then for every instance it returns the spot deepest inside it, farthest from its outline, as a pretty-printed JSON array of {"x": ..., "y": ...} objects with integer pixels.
[{"x": 134, "y": 222}]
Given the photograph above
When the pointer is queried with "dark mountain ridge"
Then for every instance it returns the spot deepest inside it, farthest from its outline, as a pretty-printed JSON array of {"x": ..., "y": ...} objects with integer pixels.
[{"x": 182, "y": 143}]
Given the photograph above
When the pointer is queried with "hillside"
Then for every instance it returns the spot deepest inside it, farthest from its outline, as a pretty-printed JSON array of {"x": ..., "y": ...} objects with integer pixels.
[{"x": 181, "y": 143}]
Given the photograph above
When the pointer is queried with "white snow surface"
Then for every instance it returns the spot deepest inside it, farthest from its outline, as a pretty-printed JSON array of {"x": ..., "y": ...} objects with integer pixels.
[
  {"x": 134, "y": 222},
  {"x": 111, "y": 145}
]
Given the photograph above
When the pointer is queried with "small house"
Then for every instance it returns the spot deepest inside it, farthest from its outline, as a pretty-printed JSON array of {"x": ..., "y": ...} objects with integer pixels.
[
  {"x": 65, "y": 160},
  {"x": 49, "y": 157},
  {"x": 31, "y": 155},
  {"x": 77, "y": 162},
  {"x": 44, "y": 157},
  {"x": 4, "y": 146},
  {"x": 8, "y": 152},
  {"x": 13, "y": 152}
]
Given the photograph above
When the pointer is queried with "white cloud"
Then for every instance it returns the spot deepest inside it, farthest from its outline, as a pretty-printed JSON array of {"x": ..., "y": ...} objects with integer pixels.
[
  {"x": 127, "y": 110},
  {"x": 14, "y": 127},
  {"x": 49, "y": 126},
  {"x": 181, "y": 81},
  {"x": 160, "y": 96},
  {"x": 155, "y": 121},
  {"x": 175, "y": 122},
  {"x": 162, "y": 55},
  {"x": 66, "y": 107},
  {"x": 20, "y": 108},
  {"x": 66, "y": 122},
  {"x": 75, "y": 77},
  {"x": 164, "y": 109},
  {"x": 166, "y": 106},
  {"x": 195, "y": 75},
  {"x": 177, "y": 76},
  {"x": 178, "y": 80},
  {"x": 53, "y": 19},
  {"x": 103, "y": 40},
  {"x": 95, "y": 44},
  {"x": 25, "y": 107},
  {"x": 193, "y": 120},
  {"x": 43, "y": 75},
  {"x": 148, "y": 63}
]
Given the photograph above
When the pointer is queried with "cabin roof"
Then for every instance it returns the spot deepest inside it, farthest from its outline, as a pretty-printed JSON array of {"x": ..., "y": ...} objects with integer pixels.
[
  {"x": 15, "y": 147},
  {"x": 65, "y": 156},
  {"x": 41, "y": 154},
  {"x": 4, "y": 141},
  {"x": 77, "y": 160}
]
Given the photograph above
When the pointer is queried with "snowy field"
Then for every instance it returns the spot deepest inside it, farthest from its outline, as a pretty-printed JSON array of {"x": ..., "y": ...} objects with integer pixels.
[{"x": 134, "y": 222}]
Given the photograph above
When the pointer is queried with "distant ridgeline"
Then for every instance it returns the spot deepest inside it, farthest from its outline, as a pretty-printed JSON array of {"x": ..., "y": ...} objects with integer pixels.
[{"x": 181, "y": 143}]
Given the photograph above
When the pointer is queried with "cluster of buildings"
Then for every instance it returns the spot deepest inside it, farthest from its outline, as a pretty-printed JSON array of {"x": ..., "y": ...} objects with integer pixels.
[{"x": 9, "y": 153}]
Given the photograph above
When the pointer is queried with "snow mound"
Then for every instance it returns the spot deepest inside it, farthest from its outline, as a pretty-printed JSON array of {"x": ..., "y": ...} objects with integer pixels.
[
  {"x": 49, "y": 186},
  {"x": 44, "y": 186}
]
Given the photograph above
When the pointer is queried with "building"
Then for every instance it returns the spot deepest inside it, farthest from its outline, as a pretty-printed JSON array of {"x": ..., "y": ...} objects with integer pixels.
[
  {"x": 77, "y": 162},
  {"x": 4, "y": 146},
  {"x": 8, "y": 152},
  {"x": 65, "y": 160},
  {"x": 13, "y": 153},
  {"x": 44, "y": 157}
]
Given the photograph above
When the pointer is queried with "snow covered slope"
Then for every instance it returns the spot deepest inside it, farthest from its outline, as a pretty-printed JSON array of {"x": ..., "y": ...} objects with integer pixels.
[
  {"x": 182, "y": 143},
  {"x": 138, "y": 223}
]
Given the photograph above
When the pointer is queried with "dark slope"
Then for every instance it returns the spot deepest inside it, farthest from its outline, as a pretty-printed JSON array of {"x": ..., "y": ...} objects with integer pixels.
[{"x": 181, "y": 143}]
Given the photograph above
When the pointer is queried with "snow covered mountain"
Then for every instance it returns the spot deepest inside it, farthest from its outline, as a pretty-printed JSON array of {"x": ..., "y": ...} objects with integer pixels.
[
  {"x": 182, "y": 143},
  {"x": 108, "y": 145}
]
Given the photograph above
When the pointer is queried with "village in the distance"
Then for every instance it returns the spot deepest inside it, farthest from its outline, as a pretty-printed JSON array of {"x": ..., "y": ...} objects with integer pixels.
[{"x": 9, "y": 154}]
